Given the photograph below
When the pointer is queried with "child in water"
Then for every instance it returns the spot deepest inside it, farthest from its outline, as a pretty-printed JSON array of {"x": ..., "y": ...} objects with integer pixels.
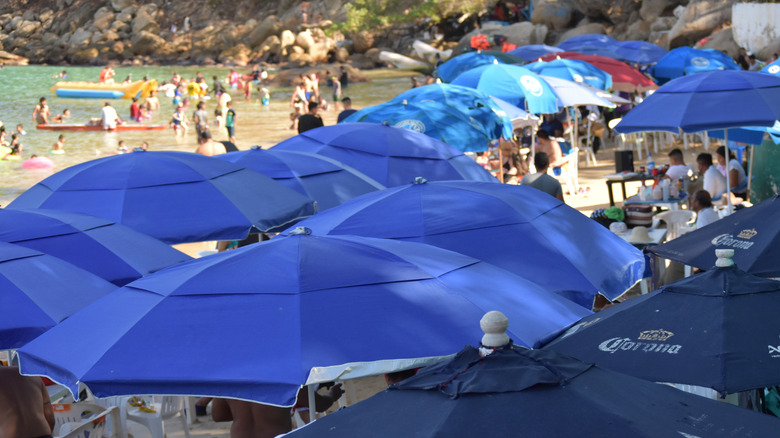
[{"x": 266, "y": 96}]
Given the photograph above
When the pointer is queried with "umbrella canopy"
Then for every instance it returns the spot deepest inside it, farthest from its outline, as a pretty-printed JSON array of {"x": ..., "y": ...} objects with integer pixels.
[
  {"x": 710, "y": 100},
  {"x": 390, "y": 155},
  {"x": 593, "y": 39},
  {"x": 111, "y": 251},
  {"x": 710, "y": 330},
  {"x": 639, "y": 52},
  {"x": 606, "y": 51},
  {"x": 517, "y": 228},
  {"x": 37, "y": 291},
  {"x": 532, "y": 52},
  {"x": 320, "y": 178},
  {"x": 772, "y": 68},
  {"x": 513, "y": 84},
  {"x": 753, "y": 233},
  {"x": 517, "y": 116},
  {"x": 469, "y": 101},
  {"x": 624, "y": 77},
  {"x": 176, "y": 197},
  {"x": 517, "y": 392},
  {"x": 573, "y": 70},
  {"x": 433, "y": 119},
  {"x": 687, "y": 61},
  {"x": 284, "y": 312},
  {"x": 574, "y": 94},
  {"x": 454, "y": 66}
]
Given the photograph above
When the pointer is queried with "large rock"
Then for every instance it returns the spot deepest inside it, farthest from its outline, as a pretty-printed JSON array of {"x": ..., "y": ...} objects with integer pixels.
[
  {"x": 699, "y": 19},
  {"x": 103, "y": 19},
  {"x": 120, "y": 5},
  {"x": 638, "y": 30},
  {"x": 319, "y": 51},
  {"x": 652, "y": 9},
  {"x": 269, "y": 26},
  {"x": 304, "y": 40},
  {"x": 26, "y": 29},
  {"x": 146, "y": 43},
  {"x": 238, "y": 55},
  {"x": 362, "y": 41},
  {"x": 11, "y": 59},
  {"x": 555, "y": 14},
  {"x": 145, "y": 19},
  {"x": 287, "y": 39},
  {"x": 582, "y": 30},
  {"x": 126, "y": 15},
  {"x": 85, "y": 56},
  {"x": 80, "y": 38},
  {"x": 524, "y": 33},
  {"x": 271, "y": 45},
  {"x": 723, "y": 40},
  {"x": 614, "y": 11}
]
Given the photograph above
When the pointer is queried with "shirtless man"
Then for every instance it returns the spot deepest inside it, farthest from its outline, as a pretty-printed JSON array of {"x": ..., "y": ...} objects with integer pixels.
[
  {"x": 152, "y": 103},
  {"x": 25, "y": 406},
  {"x": 41, "y": 112},
  {"x": 254, "y": 420},
  {"x": 209, "y": 147}
]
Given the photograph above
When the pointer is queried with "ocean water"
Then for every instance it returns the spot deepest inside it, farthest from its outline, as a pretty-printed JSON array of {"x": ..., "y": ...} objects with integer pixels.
[{"x": 22, "y": 87}]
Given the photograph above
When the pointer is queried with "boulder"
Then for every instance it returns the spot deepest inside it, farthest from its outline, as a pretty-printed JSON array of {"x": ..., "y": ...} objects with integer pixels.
[
  {"x": 126, "y": 16},
  {"x": 110, "y": 35},
  {"x": 287, "y": 39},
  {"x": 11, "y": 59},
  {"x": 723, "y": 40},
  {"x": 103, "y": 19},
  {"x": 341, "y": 54},
  {"x": 304, "y": 40},
  {"x": 766, "y": 52},
  {"x": 238, "y": 54},
  {"x": 319, "y": 51},
  {"x": 300, "y": 59},
  {"x": 556, "y": 15},
  {"x": 524, "y": 33},
  {"x": 45, "y": 15},
  {"x": 145, "y": 19},
  {"x": 118, "y": 47},
  {"x": 582, "y": 30},
  {"x": 615, "y": 11},
  {"x": 146, "y": 43},
  {"x": 699, "y": 19},
  {"x": 269, "y": 26},
  {"x": 120, "y": 5},
  {"x": 26, "y": 29},
  {"x": 362, "y": 41},
  {"x": 272, "y": 45},
  {"x": 652, "y": 9},
  {"x": 638, "y": 30},
  {"x": 80, "y": 38},
  {"x": 84, "y": 56}
]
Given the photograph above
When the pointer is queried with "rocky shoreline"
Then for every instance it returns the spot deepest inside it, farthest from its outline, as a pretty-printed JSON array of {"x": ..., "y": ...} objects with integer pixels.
[{"x": 129, "y": 32}]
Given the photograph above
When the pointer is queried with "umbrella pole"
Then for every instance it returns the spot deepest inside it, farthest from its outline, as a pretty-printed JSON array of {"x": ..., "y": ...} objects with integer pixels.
[
  {"x": 531, "y": 165},
  {"x": 500, "y": 163},
  {"x": 311, "y": 389},
  {"x": 750, "y": 170},
  {"x": 728, "y": 183}
]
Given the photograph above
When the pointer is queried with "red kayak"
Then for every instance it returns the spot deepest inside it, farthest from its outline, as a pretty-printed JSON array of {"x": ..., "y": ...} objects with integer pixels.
[{"x": 85, "y": 127}]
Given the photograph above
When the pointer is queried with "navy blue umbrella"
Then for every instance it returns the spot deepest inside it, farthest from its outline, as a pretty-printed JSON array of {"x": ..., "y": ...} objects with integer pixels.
[
  {"x": 684, "y": 61},
  {"x": 753, "y": 233},
  {"x": 174, "y": 196},
  {"x": 517, "y": 228},
  {"x": 534, "y": 393},
  {"x": 37, "y": 291},
  {"x": 639, "y": 52},
  {"x": 593, "y": 39},
  {"x": 390, "y": 155},
  {"x": 114, "y": 252},
  {"x": 278, "y": 314},
  {"x": 532, "y": 52},
  {"x": 718, "y": 329},
  {"x": 318, "y": 177}
]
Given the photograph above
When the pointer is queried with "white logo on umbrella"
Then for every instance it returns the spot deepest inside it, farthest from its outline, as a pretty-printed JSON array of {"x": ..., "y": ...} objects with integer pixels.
[
  {"x": 532, "y": 85},
  {"x": 412, "y": 125},
  {"x": 774, "y": 69},
  {"x": 577, "y": 78},
  {"x": 698, "y": 61}
]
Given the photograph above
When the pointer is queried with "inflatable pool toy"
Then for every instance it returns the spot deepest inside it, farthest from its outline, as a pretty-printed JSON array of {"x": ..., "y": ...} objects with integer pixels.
[
  {"x": 57, "y": 151},
  {"x": 38, "y": 163},
  {"x": 86, "y": 127},
  {"x": 100, "y": 90},
  {"x": 4, "y": 150},
  {"x": 10, "y": 157}
]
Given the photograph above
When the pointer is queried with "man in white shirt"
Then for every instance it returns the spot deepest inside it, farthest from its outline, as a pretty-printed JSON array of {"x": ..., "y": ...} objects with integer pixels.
[
  {"x": 109, "y": 117},
  {"x": 677, "y": 167},
  {"x": 713, "y": 181},
  {"x": 701, "y": 203}
]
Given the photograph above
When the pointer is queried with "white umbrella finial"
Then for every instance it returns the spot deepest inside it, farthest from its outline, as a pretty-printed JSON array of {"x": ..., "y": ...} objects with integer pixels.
[
  {"x": 724, "y": 258},
  {"x": 494, "y": 324}
]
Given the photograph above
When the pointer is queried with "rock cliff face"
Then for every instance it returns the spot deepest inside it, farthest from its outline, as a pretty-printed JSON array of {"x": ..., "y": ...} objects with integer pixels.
[{"x": 241, "y": 32}]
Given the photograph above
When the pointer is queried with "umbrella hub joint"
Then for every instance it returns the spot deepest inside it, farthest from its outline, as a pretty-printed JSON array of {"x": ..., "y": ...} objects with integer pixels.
[
  {"x": 724, "y": 259},
  {"x": 420, "y": 180},
  {"x": 300, "y": 231}
]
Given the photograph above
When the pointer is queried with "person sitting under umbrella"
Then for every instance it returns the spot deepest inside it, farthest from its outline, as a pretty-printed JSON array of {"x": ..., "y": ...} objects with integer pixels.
[
  {"x": 550, "y": 147},
  {"x": 541, "y": 180},
  {"x": 256, "y": 420},
  {"x": 712, "y": 180},
  {"x": 701, "y": 203},
  {"x": 737, "y": 177},
  {"x": 25, "y": 405}
]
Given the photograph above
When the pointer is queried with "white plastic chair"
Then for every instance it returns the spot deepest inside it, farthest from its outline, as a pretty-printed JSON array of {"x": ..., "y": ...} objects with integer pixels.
[
  {"x": 674, "y": 220},
  {"x": 168, "y": 407},
  {"x": 118, "y": 425},
  {"x": 80, "y": 420}
]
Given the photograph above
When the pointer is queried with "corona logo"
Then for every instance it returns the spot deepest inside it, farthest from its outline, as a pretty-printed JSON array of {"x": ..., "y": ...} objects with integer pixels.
[
  {"x": 412, "y": 125},
  {"x": 532, "y": 85},
  {"x": 698, "y": 61},
  {"x": 655, "y": 335},
  {"x": 747, "y": 234},
  {"x": 775, "y": 69},
  {"x": 577, "y": 78}
]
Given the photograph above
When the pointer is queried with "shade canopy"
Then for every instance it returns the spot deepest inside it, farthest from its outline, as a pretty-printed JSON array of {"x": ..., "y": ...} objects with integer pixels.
[
  {"x": 684, "y": 61},
  {"x": 573, "y": 70},
  {"x": 513, "y": 84},
  {"x": 454, "y": 66},
  {"x": 624, "y": 77}
]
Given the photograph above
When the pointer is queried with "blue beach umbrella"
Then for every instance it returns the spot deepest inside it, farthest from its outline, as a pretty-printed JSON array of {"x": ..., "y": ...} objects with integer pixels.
[
  {"x": 320, "y": 178},
  {"x": 294, "y": 310},
  {"x": 469, "y": 101},
  {"x": 37, "y": 291},
  {"x": 513, "y": 84},
  {"x": 176, "y": 197},
  {"x": 710, "y": 330},
  {"x": 753, "y": 233},
  {"x": 573, "y": 70},
  {"x": 639, "y": 52},
  {"x": 433, "y": 119},
  {"x": 518, "y": 392},
  {"x": 454, "y": 66},
  {"x": 684, "y": 61},
  {"x": 532, "y": 52},
  {"x": 593, "y": 39},
  {"x": 593, "y": 49},
  {"x": 772, "y": 68},
  {"x": 114, "y": 252},
  {"x": 517, "y": 228}
]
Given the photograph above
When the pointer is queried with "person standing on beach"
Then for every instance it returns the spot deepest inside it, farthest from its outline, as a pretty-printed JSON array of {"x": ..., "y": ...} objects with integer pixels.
[
  {"x": 25, "y": 405},
  {"x": 41, "y": 112},
  {"x": 230, "y": 122},
  {"x": 201, "y": 118},
  {"x": 310, "y": 120},
  {"x": 348, "y": 110}
]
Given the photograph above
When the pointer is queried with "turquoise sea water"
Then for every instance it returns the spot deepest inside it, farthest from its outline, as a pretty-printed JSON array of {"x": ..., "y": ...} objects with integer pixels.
[{"x": 21, "y": 88}]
